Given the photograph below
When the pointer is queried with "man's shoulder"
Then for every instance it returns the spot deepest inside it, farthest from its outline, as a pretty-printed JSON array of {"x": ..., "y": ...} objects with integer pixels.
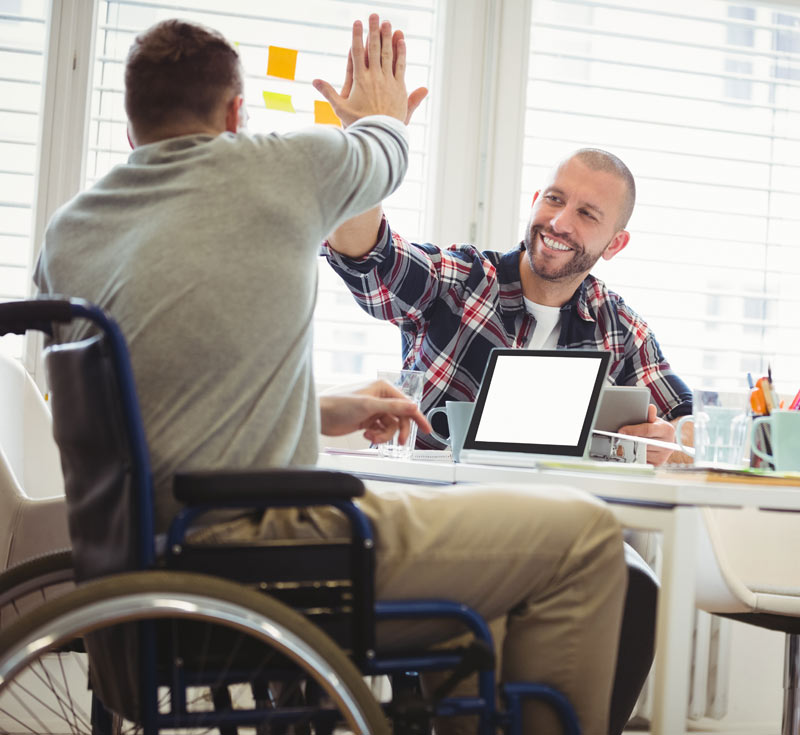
[
  {"x": 610, "y": 310},
  {"x": 486, "y": 259},
  {"x": 598, "y": 295}
]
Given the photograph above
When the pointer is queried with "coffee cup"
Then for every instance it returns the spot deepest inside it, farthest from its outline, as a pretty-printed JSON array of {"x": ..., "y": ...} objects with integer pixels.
[
  {"x": 784, "y": 440},
  {"x": 459, "y": 414}
]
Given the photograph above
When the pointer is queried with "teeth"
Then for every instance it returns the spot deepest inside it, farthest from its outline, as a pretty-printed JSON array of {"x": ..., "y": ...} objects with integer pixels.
[{"x": 553, "y": 244}]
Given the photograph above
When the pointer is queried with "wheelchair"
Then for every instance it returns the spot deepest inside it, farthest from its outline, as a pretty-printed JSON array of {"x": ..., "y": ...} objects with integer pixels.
[{"x": 122, "y": 634}]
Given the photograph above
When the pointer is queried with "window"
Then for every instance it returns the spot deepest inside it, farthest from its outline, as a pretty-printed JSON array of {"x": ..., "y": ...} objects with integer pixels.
[
  {"x": 702, "y": 100},
  {"x": 348, "y": 343},
  {"x": 22, "y": 41}
]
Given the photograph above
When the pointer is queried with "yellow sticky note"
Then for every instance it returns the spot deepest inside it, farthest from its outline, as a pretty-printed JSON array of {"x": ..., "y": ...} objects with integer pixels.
[
  {"x": 324, "y": 114},
  {"x": 275, "y": 101},
  {"x": 282, "y": 62}
]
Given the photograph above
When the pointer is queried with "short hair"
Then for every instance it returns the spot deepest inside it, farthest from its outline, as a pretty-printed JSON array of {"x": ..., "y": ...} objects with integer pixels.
[
  {"x": 600, "y": 160},
  {"x": 179, "y": 71}
]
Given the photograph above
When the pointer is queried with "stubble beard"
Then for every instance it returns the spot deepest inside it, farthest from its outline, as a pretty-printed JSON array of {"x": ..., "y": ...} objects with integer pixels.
[{"x": 580, "y": 262}]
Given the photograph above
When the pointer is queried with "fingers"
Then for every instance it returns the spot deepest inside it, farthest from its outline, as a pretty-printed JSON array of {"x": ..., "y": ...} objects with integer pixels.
[
  {"x": 348, "y": 77},
  {"x": 357, "y": 47},
  {"x": 387, "y": 49},
  {"x": 403, "y": 410},
  {"x": 329, "y": 93},
  {"x": 399, "y": 55},
  {"x": 636, "y": 430},
  {"x": 414, "y": 100},
  {"x": 373, "y": 38}
]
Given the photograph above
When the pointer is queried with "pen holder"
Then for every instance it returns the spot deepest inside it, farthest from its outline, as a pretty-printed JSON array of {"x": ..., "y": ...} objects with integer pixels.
[{"x": 760, "y": 445}]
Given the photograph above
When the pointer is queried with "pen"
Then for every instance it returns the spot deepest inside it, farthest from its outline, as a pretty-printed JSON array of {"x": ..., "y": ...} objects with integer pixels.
[
  {"x": 795, "y": 404},
  {"x": 763, "y": 387}
]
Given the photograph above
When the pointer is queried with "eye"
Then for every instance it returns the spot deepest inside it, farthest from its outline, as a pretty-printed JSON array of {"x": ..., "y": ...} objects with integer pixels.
[
  {"x": 586, "y": 213},
  {"x": 552, "y": 198}
]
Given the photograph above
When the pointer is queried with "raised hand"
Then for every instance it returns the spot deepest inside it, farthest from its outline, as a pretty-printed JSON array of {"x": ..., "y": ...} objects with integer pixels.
[{"x": 375, "y": 78}]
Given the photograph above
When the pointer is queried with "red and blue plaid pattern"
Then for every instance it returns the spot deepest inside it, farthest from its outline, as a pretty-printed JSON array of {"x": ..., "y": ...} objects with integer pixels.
[{"x": 454, "y": 306}]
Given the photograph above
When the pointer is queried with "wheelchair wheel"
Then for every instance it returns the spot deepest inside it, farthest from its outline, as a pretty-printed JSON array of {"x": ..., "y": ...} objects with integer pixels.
[
  {"x": 27, "y": 585},
  {"x": 243, "y": 660}
]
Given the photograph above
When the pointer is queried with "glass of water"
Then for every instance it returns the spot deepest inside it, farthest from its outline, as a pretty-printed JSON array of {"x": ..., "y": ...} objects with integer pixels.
[
  {"x": 409, "y": 383},
  {"x": 721, "y": 428}
]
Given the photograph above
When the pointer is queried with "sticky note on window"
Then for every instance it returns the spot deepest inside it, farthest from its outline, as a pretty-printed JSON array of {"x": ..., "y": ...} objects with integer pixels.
[
  {"x": 324, "y": 114},
  {"x": 275, "y": 101},
  {"x": 282, "y": 62}
]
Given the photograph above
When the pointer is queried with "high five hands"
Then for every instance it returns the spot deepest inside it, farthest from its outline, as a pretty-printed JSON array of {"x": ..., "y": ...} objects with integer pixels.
[{"x": 375, "y": 77}]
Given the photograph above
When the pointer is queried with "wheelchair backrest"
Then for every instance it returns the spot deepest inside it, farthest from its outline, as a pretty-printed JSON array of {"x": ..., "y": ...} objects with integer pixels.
[
  {"x": 99, "y": 474},
  {"x": 98, "y": 428}
]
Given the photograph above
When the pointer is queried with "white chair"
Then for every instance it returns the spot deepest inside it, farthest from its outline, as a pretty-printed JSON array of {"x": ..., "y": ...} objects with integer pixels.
[
  {"x": 749, "y": 569},
  {"x": 32, "y": 510}
]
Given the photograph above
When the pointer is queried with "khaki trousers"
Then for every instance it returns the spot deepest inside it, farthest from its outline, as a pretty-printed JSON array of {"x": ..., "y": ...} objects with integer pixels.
[{"x": 546, "y": 560}]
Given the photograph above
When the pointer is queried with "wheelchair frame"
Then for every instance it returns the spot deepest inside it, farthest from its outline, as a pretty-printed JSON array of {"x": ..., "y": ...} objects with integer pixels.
[{"x": 202, "y": 492}]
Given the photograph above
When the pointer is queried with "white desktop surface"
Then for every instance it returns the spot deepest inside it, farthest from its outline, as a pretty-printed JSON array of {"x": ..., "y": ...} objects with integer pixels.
[{"x": 669, "y": 503}]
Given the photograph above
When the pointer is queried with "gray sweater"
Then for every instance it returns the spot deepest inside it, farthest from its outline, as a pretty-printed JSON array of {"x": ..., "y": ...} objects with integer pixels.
[{"x": 205, "y": 251}]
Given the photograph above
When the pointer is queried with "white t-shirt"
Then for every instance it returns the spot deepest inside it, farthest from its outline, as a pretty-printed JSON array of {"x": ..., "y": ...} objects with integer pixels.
[{"x": 548, "y": 325}]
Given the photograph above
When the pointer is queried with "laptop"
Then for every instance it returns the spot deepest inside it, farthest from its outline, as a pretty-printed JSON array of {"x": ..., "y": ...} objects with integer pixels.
[{"x": 537, "y": 406}]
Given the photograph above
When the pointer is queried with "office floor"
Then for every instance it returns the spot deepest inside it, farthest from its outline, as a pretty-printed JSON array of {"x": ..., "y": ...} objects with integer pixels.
[{"x": 755, "y": 691}]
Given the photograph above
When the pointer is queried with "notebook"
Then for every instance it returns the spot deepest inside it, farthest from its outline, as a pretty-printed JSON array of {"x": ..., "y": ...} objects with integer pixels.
[{"x": 536, "y": 406}]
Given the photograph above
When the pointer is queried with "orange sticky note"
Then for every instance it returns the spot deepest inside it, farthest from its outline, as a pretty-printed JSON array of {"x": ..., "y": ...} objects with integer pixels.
[
  {"x": 275, "y": 101},
  {"x": 282, "y": 62},
  {"x": 324, "y": 114}
]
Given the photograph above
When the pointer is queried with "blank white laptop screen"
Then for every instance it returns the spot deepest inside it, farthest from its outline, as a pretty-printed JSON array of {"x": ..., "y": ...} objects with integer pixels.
[{"x": 539, "y": 401}]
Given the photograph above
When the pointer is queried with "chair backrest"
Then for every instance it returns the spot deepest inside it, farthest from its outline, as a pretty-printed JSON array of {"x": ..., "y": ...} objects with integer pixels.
[
  {"x": 99, "y": 432},
  {"x": 26, "y": 435}
]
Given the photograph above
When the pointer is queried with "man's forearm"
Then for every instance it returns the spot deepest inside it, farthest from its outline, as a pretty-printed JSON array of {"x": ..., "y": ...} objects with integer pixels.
[{"x": 356, "y": 237}]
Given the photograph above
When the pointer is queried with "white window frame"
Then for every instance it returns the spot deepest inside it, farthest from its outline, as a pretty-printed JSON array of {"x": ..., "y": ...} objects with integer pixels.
[
  {"x": 456, "y": 194},
  {"x": 478, "y": 96}
]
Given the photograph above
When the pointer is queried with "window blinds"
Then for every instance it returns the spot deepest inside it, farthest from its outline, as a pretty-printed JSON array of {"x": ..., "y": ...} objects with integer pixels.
[
  {"x": 701, "y": 99},
  {"x": 22, "y": 41},
  {"x": 348, "y": 344},
  {"x": 22, "y": 38}
]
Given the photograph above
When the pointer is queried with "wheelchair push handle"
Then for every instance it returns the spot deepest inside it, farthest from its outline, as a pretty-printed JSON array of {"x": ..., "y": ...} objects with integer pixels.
[{"x": 17, "y": 317}]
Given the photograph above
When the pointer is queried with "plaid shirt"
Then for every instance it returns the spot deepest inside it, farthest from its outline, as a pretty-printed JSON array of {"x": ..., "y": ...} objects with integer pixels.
[{"x": 454, "y": 306}]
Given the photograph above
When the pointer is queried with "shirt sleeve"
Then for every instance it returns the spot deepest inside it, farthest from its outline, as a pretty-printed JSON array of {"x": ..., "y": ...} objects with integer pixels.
[
  {"x": 646, "y": 365},
  {"x": 402, "y": 282},
  {"x": 357, "y": 168}
]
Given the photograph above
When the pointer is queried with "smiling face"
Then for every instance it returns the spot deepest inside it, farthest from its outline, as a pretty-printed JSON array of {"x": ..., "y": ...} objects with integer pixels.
[{"x": 575, "y": 221}]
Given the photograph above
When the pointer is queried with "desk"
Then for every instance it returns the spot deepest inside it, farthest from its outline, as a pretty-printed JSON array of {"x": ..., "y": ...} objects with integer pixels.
[{"x": 669, "y": 503}]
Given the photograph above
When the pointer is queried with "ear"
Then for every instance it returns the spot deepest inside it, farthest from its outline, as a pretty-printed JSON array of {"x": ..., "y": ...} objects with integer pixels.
[
  {"x": 128, "y": 135},
  {"x": 618, "y": 243},
  {"x": 232, "y": 114}
]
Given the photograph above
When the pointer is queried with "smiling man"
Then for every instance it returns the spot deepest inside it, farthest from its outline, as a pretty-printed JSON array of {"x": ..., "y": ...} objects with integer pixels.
[{"x": 453, "y": 306}]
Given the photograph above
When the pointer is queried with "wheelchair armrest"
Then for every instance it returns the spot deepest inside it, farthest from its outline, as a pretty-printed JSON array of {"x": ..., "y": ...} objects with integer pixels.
[{"x": 261, "y": 486}]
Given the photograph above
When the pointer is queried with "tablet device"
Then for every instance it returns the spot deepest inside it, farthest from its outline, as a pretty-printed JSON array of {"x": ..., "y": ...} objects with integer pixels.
[
  {"x": 536, "y": 402},
  {"x": 622, "y": 405}
]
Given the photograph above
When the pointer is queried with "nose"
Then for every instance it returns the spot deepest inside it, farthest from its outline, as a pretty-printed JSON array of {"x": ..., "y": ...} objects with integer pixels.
[{"x": 563, "y": 220}]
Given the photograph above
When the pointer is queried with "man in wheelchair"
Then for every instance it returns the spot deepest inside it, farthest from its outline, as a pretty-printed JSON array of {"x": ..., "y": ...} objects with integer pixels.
[{"x": 203, "y": 247}]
